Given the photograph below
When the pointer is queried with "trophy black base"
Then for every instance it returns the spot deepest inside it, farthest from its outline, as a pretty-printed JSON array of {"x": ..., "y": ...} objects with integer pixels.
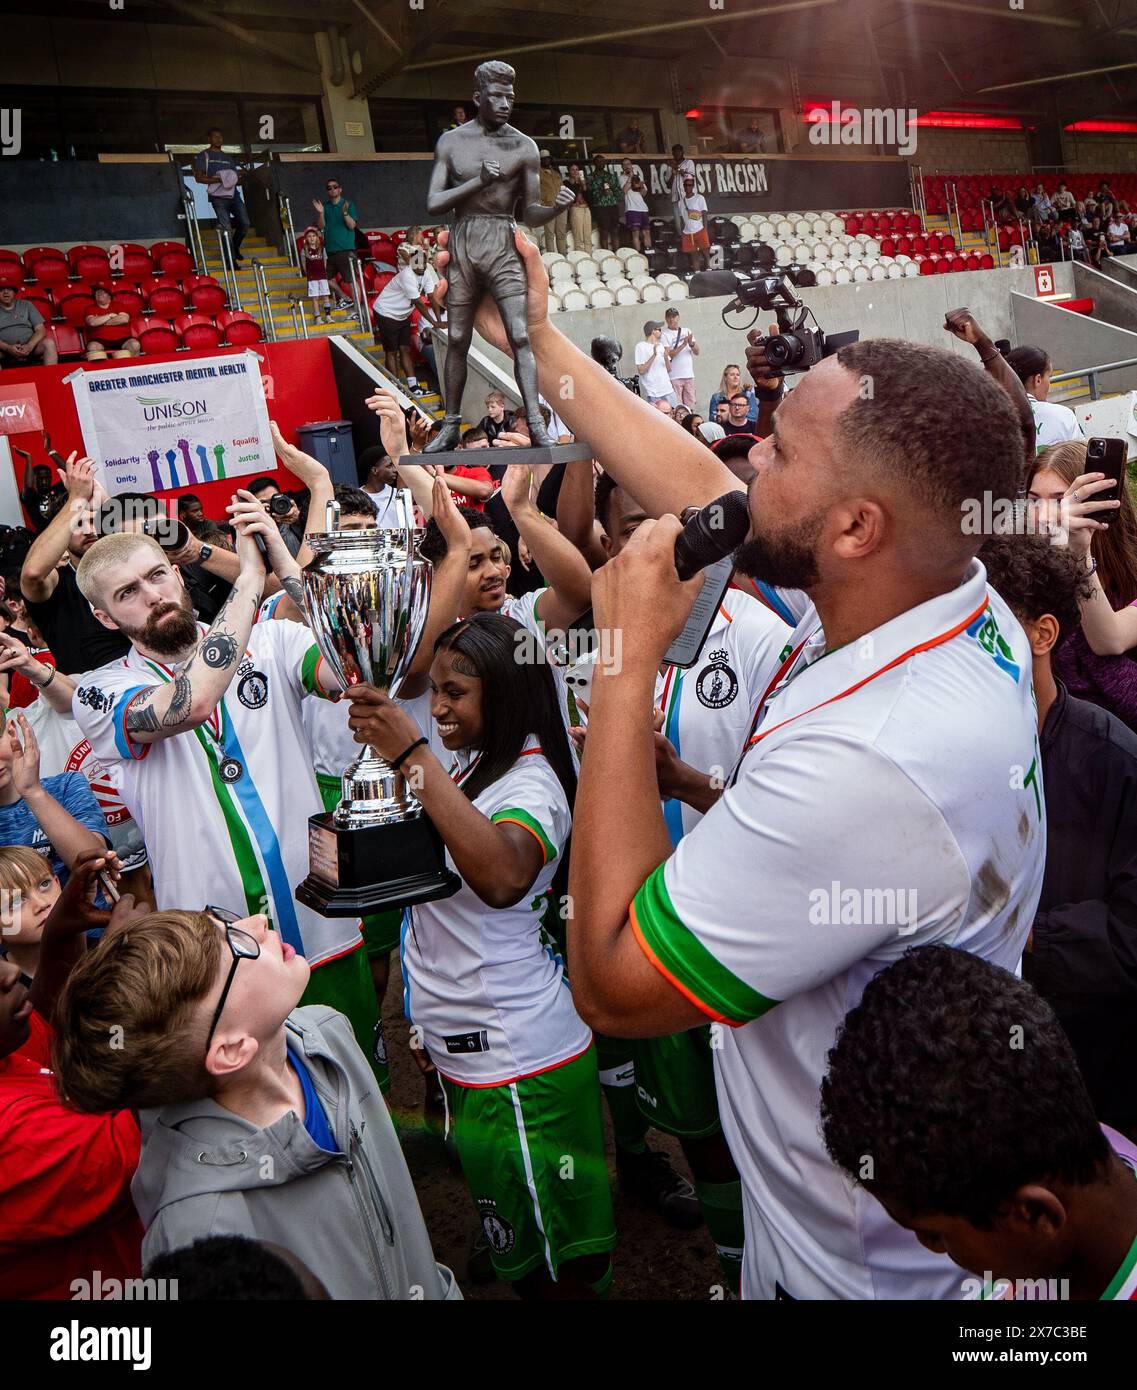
[
  {"x": 553, "y": 453},
  {"x": 374, "y": 869}
]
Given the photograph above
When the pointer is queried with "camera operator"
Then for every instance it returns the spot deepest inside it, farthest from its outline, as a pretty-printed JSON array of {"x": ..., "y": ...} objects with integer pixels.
[
  {"x": 877, "y": 759},
  {"x": 283, "y": 510}
]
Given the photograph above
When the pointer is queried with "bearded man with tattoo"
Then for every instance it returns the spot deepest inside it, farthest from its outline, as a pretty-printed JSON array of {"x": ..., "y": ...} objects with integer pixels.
[{"x": 201, "y": 729}]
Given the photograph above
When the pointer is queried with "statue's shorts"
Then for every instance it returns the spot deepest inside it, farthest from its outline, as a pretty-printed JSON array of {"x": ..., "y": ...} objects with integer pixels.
[{"x": 483, "y": 260}]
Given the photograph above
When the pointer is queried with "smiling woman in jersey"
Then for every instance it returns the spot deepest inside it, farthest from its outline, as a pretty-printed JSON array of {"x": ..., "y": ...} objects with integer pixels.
[{"x": 485, "y": 985}]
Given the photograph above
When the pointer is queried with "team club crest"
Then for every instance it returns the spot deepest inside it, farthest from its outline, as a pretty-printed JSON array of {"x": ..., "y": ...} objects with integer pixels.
[
  {"x": 500, "y": 1235},
  {"x": 717, "y": 684},
  {"x": 253, "y": 690}
]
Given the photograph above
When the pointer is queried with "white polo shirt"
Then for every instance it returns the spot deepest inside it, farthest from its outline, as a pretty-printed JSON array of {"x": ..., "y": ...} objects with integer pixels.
[
  {"x": 655, "y": 382},
  {"x": 236, "y": 842},
  {"x": 1053, "y": 424},
  {"x": 682, "y": 364},
  {"x": 708, "y": 708},
  {"x": 486, "y": 985},
  {"x": 891, "y": 797}
]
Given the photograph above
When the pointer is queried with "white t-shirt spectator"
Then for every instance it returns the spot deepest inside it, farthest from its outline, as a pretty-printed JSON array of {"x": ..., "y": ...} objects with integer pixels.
[
  {"x": 634, "y": 202},
  {"x": 399, "y": 296},
  {"x": 693, "y": 209},
  {"x": 1117, "y": 231},
  {"x": 686, "y": 167},
  {"x": 655, "y": 382},
  {"x": 626, "y": 185},
  {"x": 682, "y": 366},
  {"x": 1076, "y": 240},
  {"x": 1053, "y": 424}
]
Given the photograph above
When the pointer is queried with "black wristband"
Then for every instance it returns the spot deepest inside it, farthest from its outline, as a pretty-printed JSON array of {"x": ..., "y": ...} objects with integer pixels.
[
  {"x": 762, "y": 394},
  {"x": 396, "y": 763}
]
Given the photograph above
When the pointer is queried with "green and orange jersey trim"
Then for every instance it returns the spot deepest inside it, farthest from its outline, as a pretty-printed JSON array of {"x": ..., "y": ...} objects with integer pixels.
[
  {"x": 515, "y": 815},
  {"x": 683, "y": 960}
]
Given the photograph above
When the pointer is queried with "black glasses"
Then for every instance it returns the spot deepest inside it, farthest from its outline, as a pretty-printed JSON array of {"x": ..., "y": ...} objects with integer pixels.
[{"x": 242, "y": 945}]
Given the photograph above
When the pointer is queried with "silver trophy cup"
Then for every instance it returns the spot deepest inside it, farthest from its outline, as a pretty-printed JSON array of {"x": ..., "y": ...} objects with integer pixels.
[{"x": 367, "y": 594}]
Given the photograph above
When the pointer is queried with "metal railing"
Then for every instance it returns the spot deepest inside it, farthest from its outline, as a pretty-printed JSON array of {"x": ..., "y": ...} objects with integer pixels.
[
  {"x": 1093, "y": 375},
  {"x": 916, "y": 188},
  {"x": 264, "y": 300},
  {"x": 284, "y": 207},
  {"x": 299, "y": 318},
  {"x": 229, "y": 270},
  {"x": 359, "y": 292},
  {"x": 951, "y": 194},
  {"x": 193, "y": 231}
]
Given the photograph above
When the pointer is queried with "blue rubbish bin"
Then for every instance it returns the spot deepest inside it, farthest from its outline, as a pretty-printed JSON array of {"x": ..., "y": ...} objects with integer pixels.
[{"x": 331, "y": 442}]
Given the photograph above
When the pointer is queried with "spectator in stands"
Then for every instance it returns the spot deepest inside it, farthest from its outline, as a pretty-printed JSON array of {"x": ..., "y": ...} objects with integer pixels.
[
  {"x": 23, "y": 336},
  {"x": 691, "y": 422},
  {"x": 1043, "y": 207},
  {"x": 78, "y": 641},
  {"x": 393, "y": 307},
  {"x": 579, "y": 212},
  {"x": 221, "y": 175},
  {"x": 41, "y": 497},
  {"x": 337, "y": 219},
  {"x": 730, "y": 385},
  {"x": 64, "y": 1177},
  {"x": 265, "y": 490},
  {"x": 1063, "y": 201},
  {"x": 738, "y": 415},
  {"x": 314, "y": 267},
  {"x": 1001, "y": 206},
  {"x": 750, "y": 139},
  {"x": 555, "y": 231},
  {"x": 604, "y": 198},
  {"x": 108, "y": 330},
  {"x": 1093, "y": 663},
  {"x": 682, "y": 349},
  {"x": 681, "y": 169},
  {"x": 696, "y": 239},
  {"x": 1076, "y": 243},
  {"x": 1024, "y": 203},
  {"x": 1096, "y": 241},
  {"x": 1117, "y": 235},
  {"x": 651, "y": 364},
  {"x": 721, "y": 412},
  {"x": 1052, "y": 423},
  {"x": 459, "y": 116},
  {"x": 631, "y": 139},
  {"x": 1011, "y": 1175},
  {"x": 1080, "y": 954},
  {"x": 635, "y": 212},
  {"x": 494, "y": 421},
  {"x": 472, "y": 483}
]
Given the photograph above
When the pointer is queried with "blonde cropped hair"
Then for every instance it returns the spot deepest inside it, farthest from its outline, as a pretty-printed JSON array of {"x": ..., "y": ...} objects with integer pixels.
[{"x": 111, "y": 550}]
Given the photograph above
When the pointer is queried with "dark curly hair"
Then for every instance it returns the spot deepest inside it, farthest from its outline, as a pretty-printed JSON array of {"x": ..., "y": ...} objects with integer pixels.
[
  {"x": 224, "y": 1269},
  {"x": 434, "y": 547},
  {"x": 958, "y": 1082},
  {"x": 1034, "y": 577}
]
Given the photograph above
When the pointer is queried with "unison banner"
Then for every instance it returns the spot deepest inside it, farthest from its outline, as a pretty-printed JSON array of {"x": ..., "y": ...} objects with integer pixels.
[{"x": 170, "y": 425}]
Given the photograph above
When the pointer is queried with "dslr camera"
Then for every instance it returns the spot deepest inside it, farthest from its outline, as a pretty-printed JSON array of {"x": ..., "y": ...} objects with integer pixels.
[
  {"x": 800, "y": 342},
  {"x": 280, "y": 504}
]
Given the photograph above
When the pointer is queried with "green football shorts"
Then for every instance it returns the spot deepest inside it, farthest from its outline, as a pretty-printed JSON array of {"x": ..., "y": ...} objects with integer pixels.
[
  {"x": 533, "y": 1155},
  {"x": 675, "y": 1083}
]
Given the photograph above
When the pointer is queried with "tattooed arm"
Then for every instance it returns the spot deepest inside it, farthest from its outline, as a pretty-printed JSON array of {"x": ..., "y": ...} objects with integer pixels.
[{"x": 187, "y": 701}]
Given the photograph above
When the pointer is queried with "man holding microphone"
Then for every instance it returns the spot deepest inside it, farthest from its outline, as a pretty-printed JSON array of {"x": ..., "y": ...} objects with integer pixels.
[{"x": 884, "y": 797}]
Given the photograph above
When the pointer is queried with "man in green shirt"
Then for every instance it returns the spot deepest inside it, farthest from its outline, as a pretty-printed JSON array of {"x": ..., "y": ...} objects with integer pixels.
[
  {"x": 337, "y": 220},
  {"x": 602, "y": 188}
]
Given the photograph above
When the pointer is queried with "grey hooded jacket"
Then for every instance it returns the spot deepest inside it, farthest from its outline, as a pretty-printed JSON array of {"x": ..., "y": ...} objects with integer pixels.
[{"x": 352, "y": 1217}]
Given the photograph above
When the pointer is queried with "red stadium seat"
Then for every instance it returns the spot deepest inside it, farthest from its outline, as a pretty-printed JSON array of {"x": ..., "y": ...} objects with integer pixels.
[
  {"x": 986, "y": 261},
  {"x": 67, "y": 338},
  {"x": 12, "y": 272},
  {"x": 239, "y": 327},
  {"x": 972, "y": 261},
  {"x": 957, "y": 263},
  {"x": 205, "y": 294},
  {"x": 126, "y": 299},
  {"x": 934, "y": 242},
  {"x": 947, "y": 242},
  {"x": 1077, "y": 306},
  {"x": 919, "y": 245},
  {"x": 887, "y": 247},
  {"x": 943, "y": 265},
  {"x": 40, "y": 253},
  {"x": 136, "y": 264},
  {"x": 176, "y": 263},
  {"x": 76, "y": 253},
  {"x": 76, "y": 305},
  {"x": 48, "y": 269},
  {"x": 903, "y": 246},
  {"x": 852, "y": 226},
  {"x": 927, "y": 267},
  {"x": 93, "y": 268},
  {"x": 159, "y": 249},
  {"x": 167, "y": 298},
  {"x": 198, "y": 331},
  {"x": 155, "y": 334},
  {"x": 912, "y": 223},
  {"x": 39, "y": 299}
]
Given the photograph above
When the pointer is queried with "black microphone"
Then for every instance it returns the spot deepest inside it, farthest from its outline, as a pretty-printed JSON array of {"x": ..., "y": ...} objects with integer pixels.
[{"x": 712, "y": 533}]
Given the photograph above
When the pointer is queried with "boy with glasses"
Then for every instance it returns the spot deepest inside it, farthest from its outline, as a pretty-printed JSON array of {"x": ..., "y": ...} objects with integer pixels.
[
  {"x": 264, "y": 1119},
  {"x": 337, "y": 220}
]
